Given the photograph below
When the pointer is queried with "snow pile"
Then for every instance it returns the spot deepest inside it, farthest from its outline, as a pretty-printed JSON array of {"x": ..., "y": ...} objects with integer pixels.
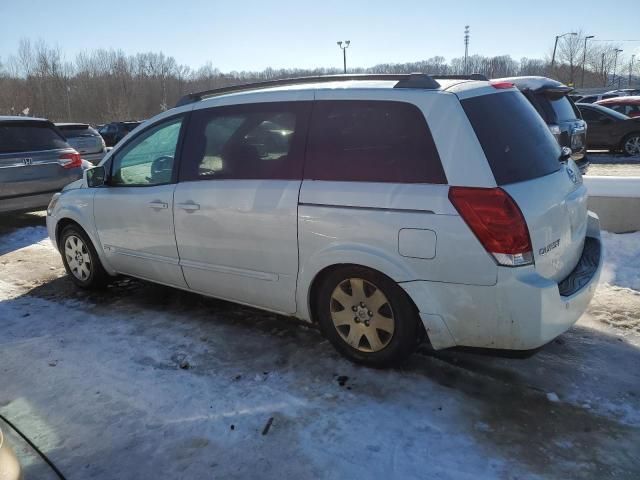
[
  {"x": 617, "y": 300},
  {"x": 622, "y": 260}
]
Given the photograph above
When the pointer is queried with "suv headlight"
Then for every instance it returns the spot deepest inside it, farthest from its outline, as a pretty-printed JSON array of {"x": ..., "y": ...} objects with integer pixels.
[{"x": 52, "y": 203}]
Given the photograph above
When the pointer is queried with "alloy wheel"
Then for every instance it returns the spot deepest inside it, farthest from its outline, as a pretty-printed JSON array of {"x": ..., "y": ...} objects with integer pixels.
[
  {"x": 78, "y": 258},
  {"x": 632, "y": 145},
  {"x": 362, "y": 315}
]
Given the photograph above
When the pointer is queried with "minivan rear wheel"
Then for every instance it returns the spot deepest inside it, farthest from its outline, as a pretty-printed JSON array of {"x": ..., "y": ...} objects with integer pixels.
[
  {"x": 80, "y": 258},
  {"x": 367, "y": 316}
]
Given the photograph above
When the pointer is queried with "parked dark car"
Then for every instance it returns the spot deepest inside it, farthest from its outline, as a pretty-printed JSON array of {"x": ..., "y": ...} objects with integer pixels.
[
  {"x": 551, "y": 100},
  {"x": 611, "y": 130},
  {"x": 35, "y": 162},
  {"x": 113, "y": 132},
  {"x": 85, "y": 139}
]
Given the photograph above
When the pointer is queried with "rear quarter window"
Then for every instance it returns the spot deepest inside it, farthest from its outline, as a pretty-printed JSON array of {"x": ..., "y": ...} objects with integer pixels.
[
  {"x": 371, "y": 141},
  {"x": 29, "y": 136},
  {"x": 515, "y": 139}
]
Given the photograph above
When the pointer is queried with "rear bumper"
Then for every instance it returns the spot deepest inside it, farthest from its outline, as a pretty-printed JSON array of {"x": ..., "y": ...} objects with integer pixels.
[{"x": 522, "y": 311}]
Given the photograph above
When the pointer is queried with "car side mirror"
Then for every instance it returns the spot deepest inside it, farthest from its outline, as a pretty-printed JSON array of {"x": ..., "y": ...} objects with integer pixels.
[
  {"x": 565, "y": 154},
  {"x": 96, "y": 176}
]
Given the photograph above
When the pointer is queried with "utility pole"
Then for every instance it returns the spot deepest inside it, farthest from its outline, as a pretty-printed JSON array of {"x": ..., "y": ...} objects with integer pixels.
[
  {"x": 584, "y": 58},
  {"x": 344, "y": 52},
  {"x": 69, "y": 103},
  {"x": 466, "y": 48},
  {"x": 555, "y": 46},
  {"x": 615, "y": 64},
  {"x": 631, "y": 68},
  {"x": 604, "y": 75}
]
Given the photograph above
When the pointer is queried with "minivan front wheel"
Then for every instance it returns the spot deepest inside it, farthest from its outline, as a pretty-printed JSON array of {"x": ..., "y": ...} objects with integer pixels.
[
  {"x": 367, "y": 316},
  {"x": 631, "y": 144},
  {"x": 80, "y": 258}
]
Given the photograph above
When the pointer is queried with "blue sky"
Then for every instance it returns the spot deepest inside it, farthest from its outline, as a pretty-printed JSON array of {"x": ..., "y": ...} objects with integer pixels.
[{"x": 252, "y": 35}]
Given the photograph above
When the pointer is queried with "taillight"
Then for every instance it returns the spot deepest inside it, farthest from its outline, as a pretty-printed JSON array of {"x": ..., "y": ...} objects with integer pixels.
[
  {"x": 496, "y": 221},
  {"x": 70, "y": 160},
  {"x": 501, "y": 85}
]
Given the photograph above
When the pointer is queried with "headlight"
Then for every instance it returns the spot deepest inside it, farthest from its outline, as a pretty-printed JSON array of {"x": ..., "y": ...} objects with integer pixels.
[{"x": 52, "y": 203}]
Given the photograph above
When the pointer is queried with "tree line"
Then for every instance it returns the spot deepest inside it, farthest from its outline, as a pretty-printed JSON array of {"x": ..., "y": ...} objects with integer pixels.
[{"x": 107, "y": 85}]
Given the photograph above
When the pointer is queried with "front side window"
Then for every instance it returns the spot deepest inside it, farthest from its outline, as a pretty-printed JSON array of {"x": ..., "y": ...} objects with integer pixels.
[
  {"x": 148, "y": 159},
  {"x": 371, "y": 141},
  {"x": 260, "y": 141}
]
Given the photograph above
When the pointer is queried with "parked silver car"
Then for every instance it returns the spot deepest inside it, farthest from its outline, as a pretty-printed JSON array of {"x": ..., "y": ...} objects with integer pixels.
[
  {"x": 384, "y": 208},
  {"x": 85, "y": 139},
  {"x": 35, "y": 162}
]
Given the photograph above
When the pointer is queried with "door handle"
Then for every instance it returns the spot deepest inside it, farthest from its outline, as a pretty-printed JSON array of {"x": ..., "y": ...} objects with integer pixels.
[
  {"x": 189, "y": 207},
  {"x": 158, "y": 204}
]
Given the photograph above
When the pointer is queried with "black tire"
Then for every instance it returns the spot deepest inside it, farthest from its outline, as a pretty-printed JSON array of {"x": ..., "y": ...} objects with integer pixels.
[
  {"x": 623, "y": 145},
  {"x": 406, "y": 327},
  {"x": 97, "y": 276}
]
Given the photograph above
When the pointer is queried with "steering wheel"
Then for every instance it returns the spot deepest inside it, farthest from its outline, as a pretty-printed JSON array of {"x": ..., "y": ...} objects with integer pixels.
[{"x": 162, "y": 167}]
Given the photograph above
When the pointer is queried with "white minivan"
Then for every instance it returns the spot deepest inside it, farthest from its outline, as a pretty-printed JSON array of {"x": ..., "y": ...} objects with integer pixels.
[{"x": 384, "y": 208}]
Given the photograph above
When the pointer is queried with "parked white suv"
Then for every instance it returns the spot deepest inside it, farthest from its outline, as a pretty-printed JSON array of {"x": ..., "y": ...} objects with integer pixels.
[{"x": 380, "y": 207}]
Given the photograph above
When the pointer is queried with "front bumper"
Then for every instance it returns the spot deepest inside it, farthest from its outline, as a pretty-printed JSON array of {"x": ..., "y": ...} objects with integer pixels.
[{"x": 522, "y": 311}]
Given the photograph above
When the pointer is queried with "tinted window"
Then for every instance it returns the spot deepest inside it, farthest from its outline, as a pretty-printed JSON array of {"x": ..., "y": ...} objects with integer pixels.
[
  {"x": 148, "y": 159},
  {"x": 260, "y": 141},
  {"x": 590, "y": 99},
  {"x": 589, "y": 115},
  {"x": 74, "y": 131},
  {"x": 515, "y": 139},
  {"x": 371, "y": 141},
  {"x": 563, "y": 109},
  {"x": 29, "y": 136}
]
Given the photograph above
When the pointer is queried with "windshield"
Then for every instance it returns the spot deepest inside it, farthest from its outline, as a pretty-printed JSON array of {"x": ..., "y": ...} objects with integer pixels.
[{"x": 515, "y": 139}]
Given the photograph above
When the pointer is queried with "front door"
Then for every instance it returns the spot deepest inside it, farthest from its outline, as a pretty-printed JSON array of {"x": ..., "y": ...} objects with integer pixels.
[
  {"x": 236, "y": 204},
  {"x": 134, "y": 212}
]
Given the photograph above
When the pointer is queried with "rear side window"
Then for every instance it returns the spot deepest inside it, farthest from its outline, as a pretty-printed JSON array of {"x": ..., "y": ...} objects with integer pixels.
[
  {"x": 371, "y": 141},
  {"x": 29, "y": 136},
  {"x": 515, "y": 139},
  {"x": 256, "y": 141}
]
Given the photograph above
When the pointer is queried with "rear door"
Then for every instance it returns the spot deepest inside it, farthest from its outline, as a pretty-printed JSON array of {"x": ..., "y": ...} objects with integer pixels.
[
  {"x": 30, "y": 160},
  {"x": 236, "y": 205},
  {"x": 83, "y": 138},
  {"x": 523, "y": 156}
]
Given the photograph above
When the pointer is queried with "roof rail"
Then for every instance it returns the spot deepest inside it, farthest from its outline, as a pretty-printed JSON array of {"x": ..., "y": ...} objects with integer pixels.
[
  {"x": 473, "y": 76},
  {"x": 405, "y": 80}
]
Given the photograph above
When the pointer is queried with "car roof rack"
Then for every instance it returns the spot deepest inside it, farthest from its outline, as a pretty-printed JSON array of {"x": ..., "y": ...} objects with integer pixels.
[
  {"x": 472, "y": 76},
  {"x": 405, "y": 80}
]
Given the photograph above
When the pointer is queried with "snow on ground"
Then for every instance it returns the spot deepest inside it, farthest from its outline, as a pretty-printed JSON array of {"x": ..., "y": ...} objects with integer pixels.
[
  {"x": 608, "y": 164},
  {"x": 95, "y": 379}
]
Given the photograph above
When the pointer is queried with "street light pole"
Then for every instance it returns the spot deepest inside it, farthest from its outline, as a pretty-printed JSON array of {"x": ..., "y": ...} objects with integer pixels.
[
  {"x": 584, "y": 58},
  {"x": 555, "y": 46},
  {"x": 466, "y": 47},
  {"x": 615, "y": 64},
  {"x": 631, "y": 68},
  {"x": 344, "y": 52}
]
